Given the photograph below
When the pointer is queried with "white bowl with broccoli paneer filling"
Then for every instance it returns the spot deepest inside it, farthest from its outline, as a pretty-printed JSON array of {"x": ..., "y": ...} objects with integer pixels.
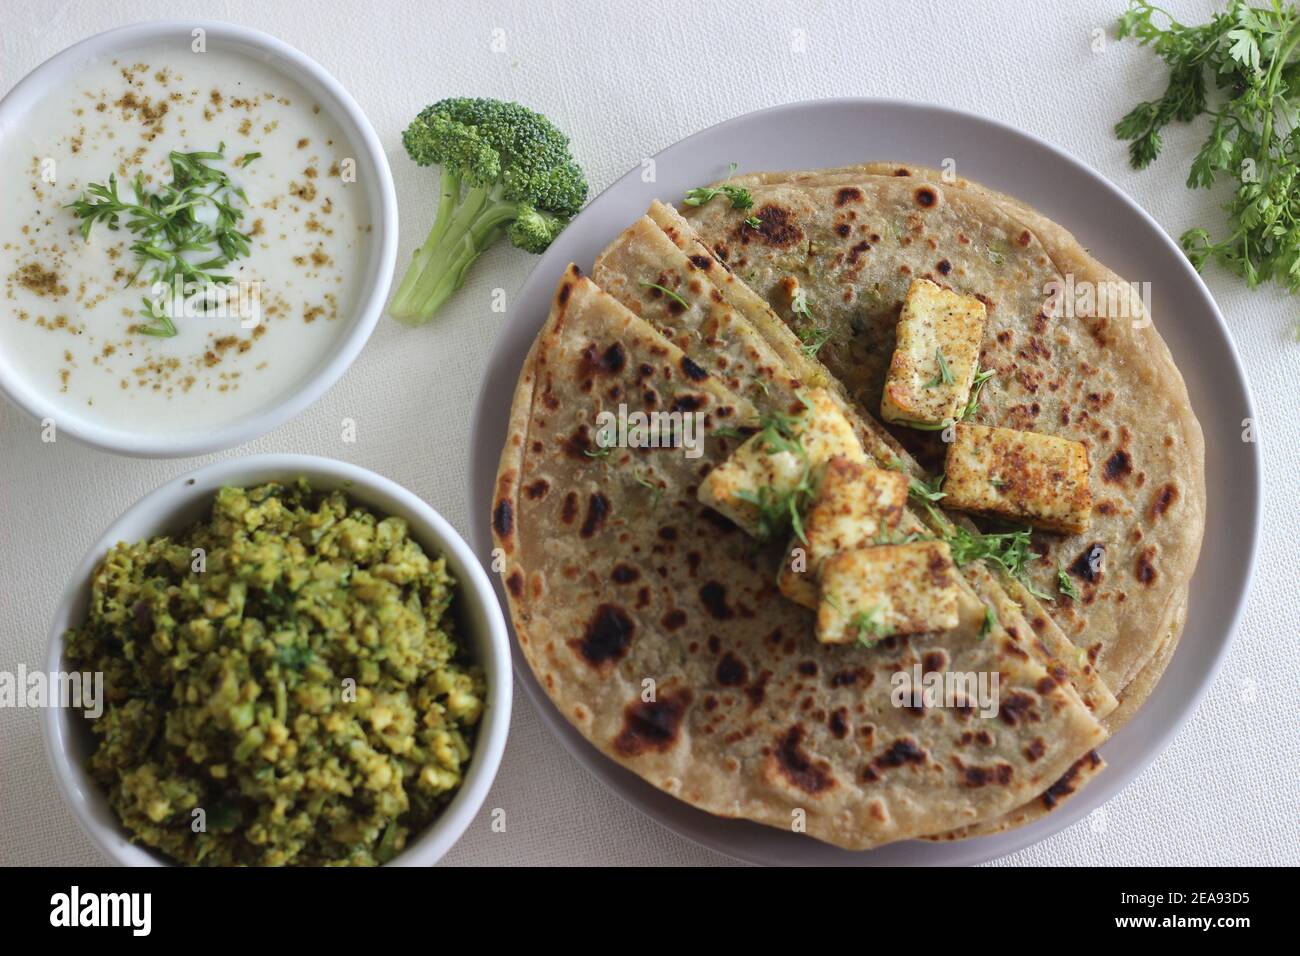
[{"x": 288, "y": 661}]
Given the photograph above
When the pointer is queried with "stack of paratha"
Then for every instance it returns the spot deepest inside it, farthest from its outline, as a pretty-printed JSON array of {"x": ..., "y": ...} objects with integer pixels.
[{"x": 656, "y": 625}]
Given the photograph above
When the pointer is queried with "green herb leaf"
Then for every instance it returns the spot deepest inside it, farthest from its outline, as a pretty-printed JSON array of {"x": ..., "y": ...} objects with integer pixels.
[
  {"x": 869, "y": 626},
  {"x": 668, "y": 292},
  {"x": 740, "y": 196},
  {"x": 169, "y": 227},
  {"x": 1066, "y": 583},
  {"x": 926, "y": 490},
  {"x": 656, "y": 491},
  {"x": 990, "y": 622},
  {"x": 779, "y": 510},
  {"x": 812, "y": 335},
  {"x": 1247, "y": 54},
  {"x": 944, "y": 376},
  {"x": 1008, "y": 549},
  {"x": 977, "y": 386},
  {"x": 160, "y": 323}
]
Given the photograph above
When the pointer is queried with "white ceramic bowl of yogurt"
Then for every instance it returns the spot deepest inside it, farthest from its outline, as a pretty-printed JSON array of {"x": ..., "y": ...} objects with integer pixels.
[
  {"x": 316, "y": 205},
  {"x": 188, "y": 498}
]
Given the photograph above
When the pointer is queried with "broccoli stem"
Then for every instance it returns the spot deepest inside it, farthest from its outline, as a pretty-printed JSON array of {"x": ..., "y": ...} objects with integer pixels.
[
  {"x": 449, "y": 196},
  {"x": 433, "y": 278}
]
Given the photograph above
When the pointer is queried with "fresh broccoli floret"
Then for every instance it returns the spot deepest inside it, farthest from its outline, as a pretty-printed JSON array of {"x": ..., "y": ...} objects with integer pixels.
[{"x": 505, "y": 169}]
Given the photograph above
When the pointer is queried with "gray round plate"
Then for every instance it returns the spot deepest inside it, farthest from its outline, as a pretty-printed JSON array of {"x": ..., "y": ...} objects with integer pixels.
[{"x": 1118, "y": 232}]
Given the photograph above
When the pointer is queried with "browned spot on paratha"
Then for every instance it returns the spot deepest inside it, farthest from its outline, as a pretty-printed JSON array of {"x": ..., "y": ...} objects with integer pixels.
[
  {"x": 607, "y": 638},
  {"x": 653, "y": 725},
  {"x": 847, "y": 195},
  {"x": 1066, "y": 785},
  {"x": 798, "y": 767}
]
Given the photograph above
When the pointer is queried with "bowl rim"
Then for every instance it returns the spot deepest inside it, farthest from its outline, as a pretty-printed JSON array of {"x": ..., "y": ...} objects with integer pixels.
[
  {"x": 158, "y": 508},
  {"x": 374, "y": 283}
]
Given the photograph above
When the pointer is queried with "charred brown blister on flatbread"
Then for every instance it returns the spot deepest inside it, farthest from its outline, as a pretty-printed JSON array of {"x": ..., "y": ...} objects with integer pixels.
[
  {"x": 847, "y": 195},
  {"x": 607, "y": 637},
  {"x": 838, "y": 723},
  {"x": 693, "y": 371},
  {"x": 598, "y": 508},
  {"x": 926, "y": 197},
  {"x": 1068, "y": 782},
  {"x": 777, "y": 227},
  {"x": 999, "y": 774},
  {"x": 731, "y": 671},
  {"x": 797, "y": 766},
  {"x": 653, "y": 726},
  {"x": 1017, "y": 708},
  {"x": 1117, "y": 467},
  {"x": 503, "y": 520},
  {"x": 757, "y": 691},
  {"x": 610, "y": 361},
  {"x": 714, "y": 598},
  {"x": 1166, "y": 497},
  {"x": 624, "y": 574},
  {"x": 902, "y": 752},
  {"x": 1145, "y": 567}
]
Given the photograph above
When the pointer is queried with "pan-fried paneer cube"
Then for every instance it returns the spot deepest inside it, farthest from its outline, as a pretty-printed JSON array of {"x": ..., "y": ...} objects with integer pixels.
[
  {"x": 1022, "y": 476},
  {"x": 936, "y": 357},
  {"x": 870, "y": 593},
  {"x": 766, "y": 484},
  {"x": 855, "y": 506}
]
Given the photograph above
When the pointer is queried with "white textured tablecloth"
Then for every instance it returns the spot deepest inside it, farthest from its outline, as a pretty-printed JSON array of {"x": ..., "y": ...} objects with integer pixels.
[{"x": 626, "y": 79}]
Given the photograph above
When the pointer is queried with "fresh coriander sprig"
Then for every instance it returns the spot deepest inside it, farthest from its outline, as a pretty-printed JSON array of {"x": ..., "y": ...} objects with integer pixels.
[
  {"x": 972, "y": 405},
  {"x": 812, "y": 335},
  {"x": 977, "y": 385},
  {"x": 781, "y": 509},
  {"x": 170, "y": 234},
  {"x": 1249, "y": 52},
  {"x": 1008, "y": 549},
  {"x": 927, "y": 493},
  {"x": 740, "y": 196},
  {"x": 160, "y": 323}
]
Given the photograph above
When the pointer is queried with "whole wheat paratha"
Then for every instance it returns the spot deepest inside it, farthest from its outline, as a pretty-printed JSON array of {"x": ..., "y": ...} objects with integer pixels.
[
  {"x": 616, "y": 576},
  {"x": 666, "y": 276},
  {"x": 853, "y": 241}
]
